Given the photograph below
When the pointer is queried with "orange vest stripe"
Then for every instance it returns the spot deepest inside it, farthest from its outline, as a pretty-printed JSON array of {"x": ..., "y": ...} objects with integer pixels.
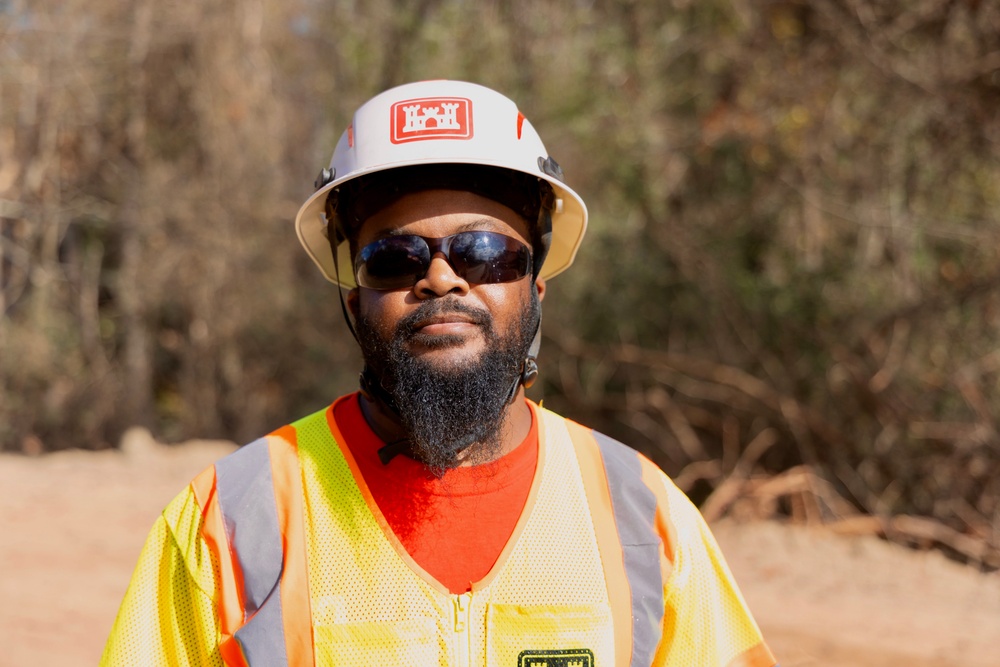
[
  {"x": 262, "y": 552},
  {"x": 246, "y": 496},
  {"x": 295, "y": 600},
  {"x": 230, "y": 609},
  {"x": 634, "y": 508},
  {"x": 651, "y": 477},
  {"x": 608, "y": 543},
  {"x": 755, "y": 655}
]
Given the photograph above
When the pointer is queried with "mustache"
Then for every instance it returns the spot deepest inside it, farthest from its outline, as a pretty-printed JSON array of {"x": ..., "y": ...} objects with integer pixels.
[{"x": 477, "y": 316}]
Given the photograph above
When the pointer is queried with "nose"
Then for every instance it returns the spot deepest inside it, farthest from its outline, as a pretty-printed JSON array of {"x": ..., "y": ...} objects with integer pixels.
[{"x": 440, "y": 279}]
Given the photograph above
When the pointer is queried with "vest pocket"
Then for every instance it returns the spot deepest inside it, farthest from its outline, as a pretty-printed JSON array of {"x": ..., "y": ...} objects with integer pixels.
[
  {"x": 370, "y": 644},
  {"x": 562, "y": 629}
]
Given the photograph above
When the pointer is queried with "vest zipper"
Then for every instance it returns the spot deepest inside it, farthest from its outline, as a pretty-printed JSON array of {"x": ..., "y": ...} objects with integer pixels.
[{"x": 463, "y": 648}]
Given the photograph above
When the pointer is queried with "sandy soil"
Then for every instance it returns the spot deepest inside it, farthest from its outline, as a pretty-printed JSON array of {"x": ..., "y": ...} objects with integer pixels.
[{"x": 72, "y": 525}]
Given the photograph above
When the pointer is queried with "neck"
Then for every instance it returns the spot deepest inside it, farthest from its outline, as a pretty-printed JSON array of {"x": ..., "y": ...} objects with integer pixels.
[{"x": 385, "y": 423}]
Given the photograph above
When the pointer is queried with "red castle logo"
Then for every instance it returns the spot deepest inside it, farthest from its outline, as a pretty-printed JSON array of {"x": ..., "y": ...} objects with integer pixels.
[{"x": 431, "y": 118}]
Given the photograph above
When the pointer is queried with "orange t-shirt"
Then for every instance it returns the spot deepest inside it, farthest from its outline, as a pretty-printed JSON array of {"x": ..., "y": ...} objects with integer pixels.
[{"x": 453, "y": 526}]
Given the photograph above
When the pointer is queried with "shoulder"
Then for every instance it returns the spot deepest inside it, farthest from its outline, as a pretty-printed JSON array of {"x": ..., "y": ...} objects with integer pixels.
[
  {"x": 242, "y": 471},
  {"x": 619, "y": 458},
  {"x": 253, "y": 457},
  {"x": 639, "y": 490}
]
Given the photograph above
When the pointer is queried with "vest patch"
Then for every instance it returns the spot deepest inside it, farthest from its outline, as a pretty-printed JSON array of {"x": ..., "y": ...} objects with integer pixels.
[{"x": 574, "y": 657}]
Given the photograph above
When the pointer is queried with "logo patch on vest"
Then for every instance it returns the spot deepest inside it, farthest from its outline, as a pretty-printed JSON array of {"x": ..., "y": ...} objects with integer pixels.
[
  {"x": 431, "y": 118},
  {"x": 574, "y": 657}
]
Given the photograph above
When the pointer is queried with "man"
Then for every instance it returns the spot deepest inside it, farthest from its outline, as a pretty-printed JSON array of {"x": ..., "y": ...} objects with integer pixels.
[{"x": 436, "y": 517}]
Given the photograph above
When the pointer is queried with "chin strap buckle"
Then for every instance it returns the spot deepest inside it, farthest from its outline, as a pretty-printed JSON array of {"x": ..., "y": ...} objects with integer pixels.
[
  {"x": 530, "y": 372},
  {"x": 325, "y": 176},
  {"x": 550, "y": 167}
]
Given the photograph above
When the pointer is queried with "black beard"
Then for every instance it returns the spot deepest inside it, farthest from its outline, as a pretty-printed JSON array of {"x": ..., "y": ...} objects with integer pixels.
[{"x": 445, "y": 411}]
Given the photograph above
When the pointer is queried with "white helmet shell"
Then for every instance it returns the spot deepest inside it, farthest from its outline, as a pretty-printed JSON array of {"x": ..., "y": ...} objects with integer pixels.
[{"x": 439, "y": 122}]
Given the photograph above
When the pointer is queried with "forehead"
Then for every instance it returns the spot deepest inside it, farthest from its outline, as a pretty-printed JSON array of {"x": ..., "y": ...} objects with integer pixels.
[{"x": 438, "y": 213}]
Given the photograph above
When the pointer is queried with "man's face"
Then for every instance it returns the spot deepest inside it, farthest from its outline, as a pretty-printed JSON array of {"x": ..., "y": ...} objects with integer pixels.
[{"x": 447, "y": 350}]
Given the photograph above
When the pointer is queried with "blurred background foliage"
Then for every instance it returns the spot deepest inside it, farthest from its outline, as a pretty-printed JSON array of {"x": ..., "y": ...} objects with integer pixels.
[{"x": 791, "y": 271}]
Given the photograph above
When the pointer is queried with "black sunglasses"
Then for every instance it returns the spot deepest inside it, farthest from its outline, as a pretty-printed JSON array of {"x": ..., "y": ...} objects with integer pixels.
[{"x": 477, "y": 257}]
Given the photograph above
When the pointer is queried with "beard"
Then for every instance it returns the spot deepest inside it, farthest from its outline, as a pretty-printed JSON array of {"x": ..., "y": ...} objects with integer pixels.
[{"x": 459, "y": 406}]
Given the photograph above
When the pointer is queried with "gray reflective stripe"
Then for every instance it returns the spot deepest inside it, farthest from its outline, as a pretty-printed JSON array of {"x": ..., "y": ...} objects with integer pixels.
[
  {"x": 250, "y": 515},
  {"x": 634, "y": 507},
  {"x": 263, "y": 637}
]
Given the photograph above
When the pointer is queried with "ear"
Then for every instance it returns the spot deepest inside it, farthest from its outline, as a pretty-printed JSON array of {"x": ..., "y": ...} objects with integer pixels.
[
  {"x": 353, "y": 301},
  {"x": 540, "y": 286}
]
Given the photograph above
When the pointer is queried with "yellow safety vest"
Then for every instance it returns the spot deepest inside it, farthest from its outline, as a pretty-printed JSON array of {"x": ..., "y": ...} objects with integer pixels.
[{"x": 609, "y": 564}]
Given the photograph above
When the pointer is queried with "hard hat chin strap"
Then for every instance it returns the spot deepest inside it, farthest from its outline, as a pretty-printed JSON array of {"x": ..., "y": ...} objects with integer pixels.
[
  {"x": 340, "y": 293},
  {"x": 529, "y": 370}
]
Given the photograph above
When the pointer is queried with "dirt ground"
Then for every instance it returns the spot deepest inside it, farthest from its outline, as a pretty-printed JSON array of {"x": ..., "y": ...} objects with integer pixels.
[{"x": 72, "y": 525}]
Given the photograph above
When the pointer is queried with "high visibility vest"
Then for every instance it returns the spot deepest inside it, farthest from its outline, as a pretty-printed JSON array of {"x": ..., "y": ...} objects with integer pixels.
[{"x": 609, "y": 564}]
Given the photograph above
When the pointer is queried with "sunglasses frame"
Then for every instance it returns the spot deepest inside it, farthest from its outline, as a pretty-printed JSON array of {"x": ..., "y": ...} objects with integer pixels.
[{"x": 443, "y": 245}]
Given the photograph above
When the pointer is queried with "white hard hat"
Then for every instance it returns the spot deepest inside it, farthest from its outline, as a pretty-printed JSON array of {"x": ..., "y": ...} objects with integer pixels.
[{"x": 438, "y": 122}]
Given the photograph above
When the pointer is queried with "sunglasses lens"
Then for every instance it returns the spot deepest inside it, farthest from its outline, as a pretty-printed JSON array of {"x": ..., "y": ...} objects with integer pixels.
[
  {"x": 488, "y": 257},
  {"x": 392, "y": 263}
]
